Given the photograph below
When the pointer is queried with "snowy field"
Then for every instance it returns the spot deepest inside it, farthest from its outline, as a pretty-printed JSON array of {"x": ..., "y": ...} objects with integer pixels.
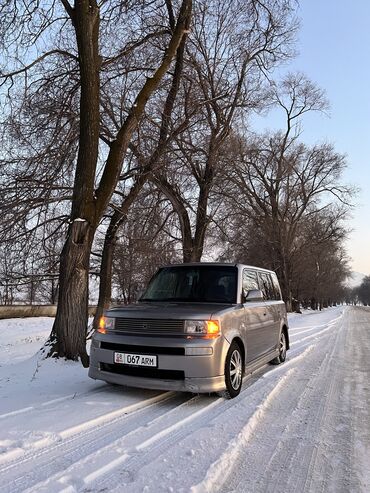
[{"x": 303, "y": 426}]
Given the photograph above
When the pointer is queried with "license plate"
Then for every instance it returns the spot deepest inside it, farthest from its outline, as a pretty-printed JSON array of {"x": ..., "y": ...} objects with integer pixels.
[{"x": 135, "y": 359}]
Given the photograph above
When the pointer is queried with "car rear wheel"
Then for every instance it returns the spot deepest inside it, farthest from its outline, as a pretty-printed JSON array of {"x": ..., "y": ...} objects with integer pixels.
[
  {"x": 282, "y": 350},
  {"x": 234, "y": 369}
]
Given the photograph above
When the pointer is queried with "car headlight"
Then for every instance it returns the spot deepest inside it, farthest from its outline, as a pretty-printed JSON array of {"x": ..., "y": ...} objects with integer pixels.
[
  {"x": 207, "y": 328},
  {"x": 105, "y": 324}
]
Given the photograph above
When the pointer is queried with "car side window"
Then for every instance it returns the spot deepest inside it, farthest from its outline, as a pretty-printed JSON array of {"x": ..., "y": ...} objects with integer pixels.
[
  {"x": 250, "y": 280},
  {"x": 276, "y": 286},
  {"x": 266, "y": 286}
]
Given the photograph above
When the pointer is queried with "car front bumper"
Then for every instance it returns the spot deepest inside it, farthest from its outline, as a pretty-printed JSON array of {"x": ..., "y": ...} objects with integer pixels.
[
  {"x": 201, "y": 373},
  {"x": 201, "y": 385}
]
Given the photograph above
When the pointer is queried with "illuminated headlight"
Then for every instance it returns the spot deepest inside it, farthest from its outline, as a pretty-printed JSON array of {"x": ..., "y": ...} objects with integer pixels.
[
  {"x": 105, "y": 324},
  {"x": 208, "y": 328}
]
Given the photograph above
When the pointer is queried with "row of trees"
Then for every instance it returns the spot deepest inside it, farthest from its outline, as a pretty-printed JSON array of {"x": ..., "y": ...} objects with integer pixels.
[
  {"x": 363, "y": 291},
  {"x": 359, "y": 294},
  {"x": 127, "y": 143}
]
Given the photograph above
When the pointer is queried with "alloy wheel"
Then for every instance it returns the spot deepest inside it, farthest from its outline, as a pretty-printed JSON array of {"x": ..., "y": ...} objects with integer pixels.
[{"x": 236, "y": 369}]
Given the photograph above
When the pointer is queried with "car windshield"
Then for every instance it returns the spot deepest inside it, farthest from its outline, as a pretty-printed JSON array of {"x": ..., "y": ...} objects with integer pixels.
[{"x": 211, "y": 284}]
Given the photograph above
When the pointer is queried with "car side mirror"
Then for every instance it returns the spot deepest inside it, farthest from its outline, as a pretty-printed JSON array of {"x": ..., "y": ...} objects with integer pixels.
[{"x": 252, "y": 295}]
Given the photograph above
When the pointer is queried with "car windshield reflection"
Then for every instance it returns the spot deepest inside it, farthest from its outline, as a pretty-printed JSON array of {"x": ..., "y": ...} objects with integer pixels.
[{"x": 201, "y": 284}]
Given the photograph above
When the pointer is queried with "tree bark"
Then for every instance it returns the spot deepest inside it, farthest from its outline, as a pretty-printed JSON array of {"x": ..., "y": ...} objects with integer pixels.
[
  {"x": 202, "y": 220},
  {"x": 68, "y": 337},
  {"x": 105, "y": 282}
]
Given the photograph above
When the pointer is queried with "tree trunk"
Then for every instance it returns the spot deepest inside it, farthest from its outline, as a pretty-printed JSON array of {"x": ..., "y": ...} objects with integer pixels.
[
  {"x": 178, "y": 205},
  {"x": 285, "y": 285},
  {"x": 54, "y": 292},
  {"x": 68, "y": 337},
  {"x": 105, "y": 283},
  {"x": 105, "y": 286},
  {"x": 187, "y": 246},
  {"x": 202, "y": 221}
]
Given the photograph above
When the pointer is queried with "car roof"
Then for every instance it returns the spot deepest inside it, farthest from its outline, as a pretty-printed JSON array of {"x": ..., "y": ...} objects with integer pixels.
[{"x": 218, "y": 264}]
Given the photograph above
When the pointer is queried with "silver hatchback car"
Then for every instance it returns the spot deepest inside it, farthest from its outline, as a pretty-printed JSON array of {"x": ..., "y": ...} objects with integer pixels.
[{"x": 199, "y": 327}]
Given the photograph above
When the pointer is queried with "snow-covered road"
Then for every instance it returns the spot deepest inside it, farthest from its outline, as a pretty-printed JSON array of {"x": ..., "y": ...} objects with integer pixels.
[{"x": 303, "y": 426}]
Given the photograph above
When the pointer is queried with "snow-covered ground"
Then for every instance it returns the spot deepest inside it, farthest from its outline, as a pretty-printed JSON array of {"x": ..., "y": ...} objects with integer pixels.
[{"x": 303, "y": 426}]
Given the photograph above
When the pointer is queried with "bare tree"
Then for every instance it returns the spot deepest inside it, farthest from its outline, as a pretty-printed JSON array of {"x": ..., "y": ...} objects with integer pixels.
[
  {"x": 232, "y": 48},
  {"x": 363, "y": 291},
  {"x": 280, "y": 183},
  {"x": 92, "y": 187},
  {"x": 320, "y": 264}
]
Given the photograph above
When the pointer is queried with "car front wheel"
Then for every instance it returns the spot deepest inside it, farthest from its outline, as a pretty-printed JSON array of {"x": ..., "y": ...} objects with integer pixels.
[{"x": 233, "y": 372}]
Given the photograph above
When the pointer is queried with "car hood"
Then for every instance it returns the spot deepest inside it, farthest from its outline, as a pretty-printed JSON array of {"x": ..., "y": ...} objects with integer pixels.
[{"x": 168, "y": 310}]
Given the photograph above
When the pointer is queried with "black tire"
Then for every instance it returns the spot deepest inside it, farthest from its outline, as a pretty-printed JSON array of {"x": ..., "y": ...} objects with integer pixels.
[
  {"x": 234, "y": 369},
  {"x": 282, "y": 350}
]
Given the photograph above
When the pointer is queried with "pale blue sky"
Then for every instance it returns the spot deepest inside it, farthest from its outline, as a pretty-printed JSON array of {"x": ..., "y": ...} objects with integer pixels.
[{"x": 334, "y": 51}]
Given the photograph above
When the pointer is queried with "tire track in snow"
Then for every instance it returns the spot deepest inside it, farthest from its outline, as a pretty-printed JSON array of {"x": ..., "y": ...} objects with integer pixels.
[
  {"x": 313, "y": 315},
  {"x": 319, "y": 394},
  {"x": 43, "y": 446},
  {"x": 126, "y": 447},
  {"x": 297, "y": 331},
  {"x": 306, "y": 453},
  {"x": 42, "y": 405},
  {"x": 224, "y": 465},
  {"x": 221, "y": 469},
  {"x": 60, "y": 456},
  {"x": 154, "y": 441},
  {"x": 162, "y": 441},
  {"x": 316, "y": 335},
  {"x": 73, "y": 434},
  {"x": 285, "y": 445}
]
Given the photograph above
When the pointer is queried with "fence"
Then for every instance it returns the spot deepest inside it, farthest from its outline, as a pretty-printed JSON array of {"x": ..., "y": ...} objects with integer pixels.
[{"x": 21, "y": 311}]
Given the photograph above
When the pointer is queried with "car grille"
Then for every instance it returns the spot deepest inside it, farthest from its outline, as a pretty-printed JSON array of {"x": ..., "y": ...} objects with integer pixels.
[
  {"x": 129, "y": 348},
  {"x": 146, "y": 326},
  {"x": 143, "y": 372}
]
